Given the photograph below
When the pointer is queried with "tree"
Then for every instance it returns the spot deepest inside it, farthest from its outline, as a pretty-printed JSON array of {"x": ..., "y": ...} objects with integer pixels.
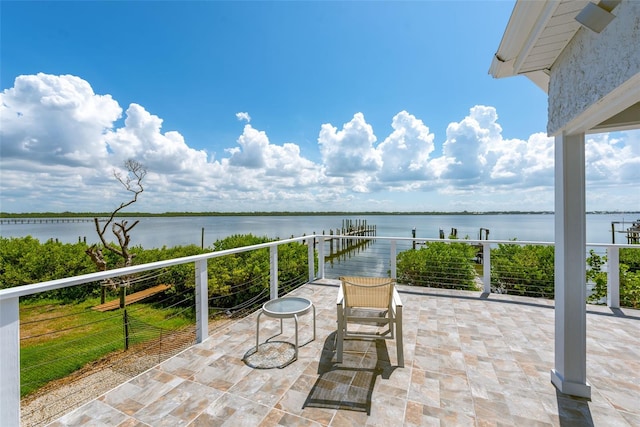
[{"x": 132, "y": 182}]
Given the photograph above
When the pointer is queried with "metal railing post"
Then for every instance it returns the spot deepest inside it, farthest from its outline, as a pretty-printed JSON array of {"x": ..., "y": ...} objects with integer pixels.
[
  {"x": 273, "y": 271},
  {"x": 312, "y": 267},
  {"x": 10, "y": 362},
  {"x": 393, "y": 259},
  {"x": 321, "y": 257},
  {"x": 486, "y": 267},
  {"x": 202, "y": 301},
  {"x": 613, "y": 277}
]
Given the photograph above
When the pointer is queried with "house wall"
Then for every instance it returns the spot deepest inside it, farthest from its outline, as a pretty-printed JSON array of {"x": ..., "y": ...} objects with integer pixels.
[{"x": 593, "y": 65}]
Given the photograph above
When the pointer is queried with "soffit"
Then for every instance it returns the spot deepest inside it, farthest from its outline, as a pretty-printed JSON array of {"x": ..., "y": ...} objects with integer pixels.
[{"x": 537, "y": 33}]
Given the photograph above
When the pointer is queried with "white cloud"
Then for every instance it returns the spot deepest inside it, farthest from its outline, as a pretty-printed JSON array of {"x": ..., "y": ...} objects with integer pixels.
[
  {"x": 612, "y": 161},
  {"x": 476, "y": 155},
  {"x": 60, "y": 145},
  {"x": 349, "y": 154},
  {"x": 405, "y": 153},
  {"x": 250, "y": 154},
  {"x": 468, "y": 143},
  {"x": 244, "y": 116},
  {"x": 55, "y": 120},
  {"x": 141, "y": 139},
  {"x": 520, "y": 163},
  {"x": 349, "y": 151}
]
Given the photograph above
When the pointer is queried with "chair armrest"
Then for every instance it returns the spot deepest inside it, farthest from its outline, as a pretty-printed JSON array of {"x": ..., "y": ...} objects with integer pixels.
[
  {"x": 396, "y": 304},
  {"x": 340, "y": 299},
  {"x": 396, "y": 298}
]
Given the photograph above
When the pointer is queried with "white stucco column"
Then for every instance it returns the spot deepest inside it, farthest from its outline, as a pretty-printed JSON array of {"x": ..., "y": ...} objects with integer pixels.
[{"x": 570, "y": 372}]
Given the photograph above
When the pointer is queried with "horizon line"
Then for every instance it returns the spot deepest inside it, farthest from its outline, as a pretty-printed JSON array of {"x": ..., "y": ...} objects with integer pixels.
[{"x": 8, "y": 215}]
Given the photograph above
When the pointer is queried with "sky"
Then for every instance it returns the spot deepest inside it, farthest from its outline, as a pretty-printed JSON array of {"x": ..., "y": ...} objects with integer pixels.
[{"x": 279, "y": 106}]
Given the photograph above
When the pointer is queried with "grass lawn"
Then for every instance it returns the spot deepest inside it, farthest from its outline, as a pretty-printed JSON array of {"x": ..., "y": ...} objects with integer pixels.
[{"x": 58, "y": 339}]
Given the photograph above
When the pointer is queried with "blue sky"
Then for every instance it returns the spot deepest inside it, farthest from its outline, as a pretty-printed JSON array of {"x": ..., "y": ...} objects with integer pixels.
[{"x": 269, "y": 106}]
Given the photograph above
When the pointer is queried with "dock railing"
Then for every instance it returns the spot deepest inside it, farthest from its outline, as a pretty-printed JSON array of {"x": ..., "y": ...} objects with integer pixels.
[{"x": 383, "y": 262}]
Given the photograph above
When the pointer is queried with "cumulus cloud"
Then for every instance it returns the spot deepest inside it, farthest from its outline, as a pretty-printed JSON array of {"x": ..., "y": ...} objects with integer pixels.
[
  {"x": 42, "y": 116},
  {"x": 55, "y": 120},
  {"x": 60, "y": 146},
  {"x": 406, "y": 151},
  {"x": 475, "y": 154},
  {"x": 613, "y": 158},
  {"x": 349, "y": 151},
  {"x": 250, "y": 154},
  {"x": 141, "y": 138},
  {"x": 467, "y": 144},
  {"x": 257, "y": 164}
]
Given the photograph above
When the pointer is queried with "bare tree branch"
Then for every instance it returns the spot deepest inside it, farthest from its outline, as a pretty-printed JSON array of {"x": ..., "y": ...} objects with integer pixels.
[
  {"x": 97, "y": 257},
  {"x": 132, "y": 182}
]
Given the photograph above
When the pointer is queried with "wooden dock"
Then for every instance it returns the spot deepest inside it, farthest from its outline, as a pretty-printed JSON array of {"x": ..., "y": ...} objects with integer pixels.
[
  {"x": 353, "y": 228},
  {"x": 19, "y": 221},
  {"x": 341, "y": 245},
  {"x": 632, "y": 233},
  {"x": 130, "y": 299}
]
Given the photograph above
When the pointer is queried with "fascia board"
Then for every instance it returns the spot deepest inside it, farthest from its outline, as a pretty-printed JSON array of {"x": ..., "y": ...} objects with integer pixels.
[{"x": 526, "y": 23}]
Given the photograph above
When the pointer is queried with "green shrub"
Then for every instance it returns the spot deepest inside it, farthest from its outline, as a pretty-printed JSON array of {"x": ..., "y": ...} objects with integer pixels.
[
  {"x": 523, "y": 270},
  {"x": 438, "y": 265},
  {"x": 629, "y": 277},
  {"x": 240, "y": 279},
  {"x": 236, "y": 277},
  {"x": 631, "y": 258},
  {"x": 25, "y": 261}
]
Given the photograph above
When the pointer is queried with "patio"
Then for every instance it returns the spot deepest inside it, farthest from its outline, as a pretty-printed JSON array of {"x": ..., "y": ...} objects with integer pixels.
[{"x": 470, "y": 359}]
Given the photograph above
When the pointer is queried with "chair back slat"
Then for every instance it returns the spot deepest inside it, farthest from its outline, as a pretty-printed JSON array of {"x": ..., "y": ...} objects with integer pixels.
[{"x": 371, "y": 292}]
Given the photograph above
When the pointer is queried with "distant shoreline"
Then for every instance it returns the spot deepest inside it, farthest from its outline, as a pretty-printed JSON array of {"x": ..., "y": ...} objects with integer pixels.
[{"x": 6, "y": 215}]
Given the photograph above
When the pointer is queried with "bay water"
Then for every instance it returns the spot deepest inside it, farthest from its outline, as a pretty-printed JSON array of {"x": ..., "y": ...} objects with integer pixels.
[{"x": 155, "y": 232}]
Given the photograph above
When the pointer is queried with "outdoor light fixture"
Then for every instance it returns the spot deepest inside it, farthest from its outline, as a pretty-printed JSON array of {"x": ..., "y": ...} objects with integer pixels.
[{"x": 595, "y": 17}]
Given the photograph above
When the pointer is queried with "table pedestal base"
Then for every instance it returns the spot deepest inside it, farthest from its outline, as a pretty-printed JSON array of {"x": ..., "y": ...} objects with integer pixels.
[{"x": 283, "y": 308}]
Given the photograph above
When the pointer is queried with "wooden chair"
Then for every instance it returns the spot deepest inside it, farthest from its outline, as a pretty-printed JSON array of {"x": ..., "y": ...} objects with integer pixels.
[{"x": 369, "y": 300}]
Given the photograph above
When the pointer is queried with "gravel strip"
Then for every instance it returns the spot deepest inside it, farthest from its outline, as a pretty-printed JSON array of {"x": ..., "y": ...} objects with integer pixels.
[
  {"x": 58, "y": 399},
  {"x": 63, "y": 396}
]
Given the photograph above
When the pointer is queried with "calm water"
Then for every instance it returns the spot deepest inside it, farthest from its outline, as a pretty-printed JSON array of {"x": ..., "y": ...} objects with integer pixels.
[{"x": 165, "y": 231}]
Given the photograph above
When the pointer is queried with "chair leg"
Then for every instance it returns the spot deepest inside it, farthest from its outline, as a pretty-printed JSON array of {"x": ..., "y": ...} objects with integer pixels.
[
  {"x": 399, "y": 341},
  {"x": 339, "y": 336}
]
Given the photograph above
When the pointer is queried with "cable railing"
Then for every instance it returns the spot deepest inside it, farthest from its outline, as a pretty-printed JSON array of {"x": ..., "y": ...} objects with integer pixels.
[
  {"x": 50, "y": 345},
  {"x": 79, "y": 345},
  {"x": 523, "y": 268}
]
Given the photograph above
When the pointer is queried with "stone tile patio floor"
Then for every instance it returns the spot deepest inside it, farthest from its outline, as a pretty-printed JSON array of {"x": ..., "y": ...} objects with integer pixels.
[{"x": 469, "y": 360}]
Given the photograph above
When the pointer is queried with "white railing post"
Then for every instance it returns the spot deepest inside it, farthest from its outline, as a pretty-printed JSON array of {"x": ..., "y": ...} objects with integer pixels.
[
  {"x": 486, "y": 267},
  {"x": 273, "y": 276},
  {"x": 312, "y": 268},
  {"x": 9, "y": 362},
  {"x": 392, "y": 259},
  {"x": 202, "y": 301},
  {"x": 321, "y": 257},
  {"x": 613, "y": 277}
]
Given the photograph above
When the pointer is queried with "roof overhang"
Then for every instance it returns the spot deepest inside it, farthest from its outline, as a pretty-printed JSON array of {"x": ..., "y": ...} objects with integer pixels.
[{"x": 537, "y": 32}]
